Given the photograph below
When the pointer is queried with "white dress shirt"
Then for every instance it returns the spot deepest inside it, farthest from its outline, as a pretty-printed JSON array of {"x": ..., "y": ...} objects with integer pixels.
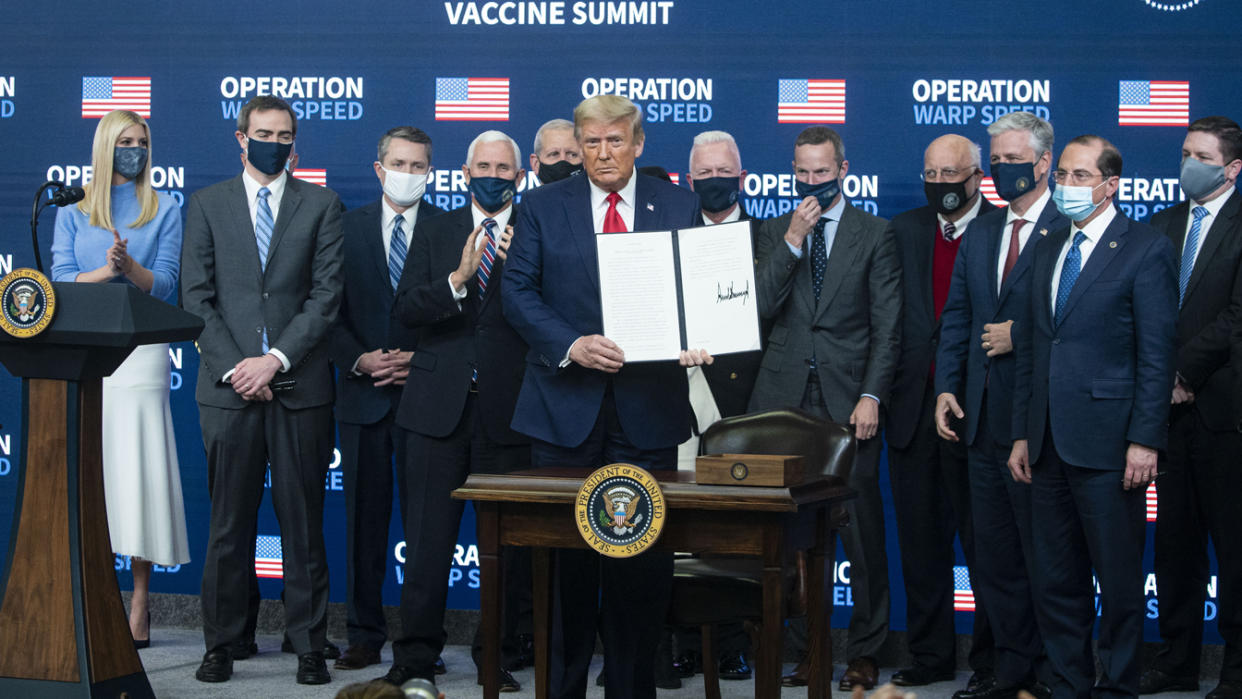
[
  {"x": 833, "y": 214},
  {"x": 1093, "y": 232},
  {"x": 479, "y": 215},
  {"x": 1213, "y": 208},
  {"x": 735, "y": 215},
  {"x": 1024, "y": 233},
  {"x": 409, "y": 216},
  {"x": 959, "y": 226},
  {"x": 276, "y": 192},
  {"x": 625, "y": 207}
]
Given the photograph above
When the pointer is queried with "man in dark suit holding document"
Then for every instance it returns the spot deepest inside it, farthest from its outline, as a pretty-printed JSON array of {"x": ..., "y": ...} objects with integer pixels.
[{"x": 581, "y": 403}]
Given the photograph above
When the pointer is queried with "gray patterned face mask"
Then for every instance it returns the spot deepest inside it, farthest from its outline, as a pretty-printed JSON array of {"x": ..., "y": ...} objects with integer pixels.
[{"x": 128, "y": 162}]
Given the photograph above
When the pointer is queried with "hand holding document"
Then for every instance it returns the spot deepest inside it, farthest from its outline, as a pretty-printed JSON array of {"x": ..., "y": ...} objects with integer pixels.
[{"x": 663, "y": 292}]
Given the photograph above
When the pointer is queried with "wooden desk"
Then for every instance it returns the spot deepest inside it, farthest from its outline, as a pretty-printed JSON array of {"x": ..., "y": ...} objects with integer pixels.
[{"x": 536, "y": 508}]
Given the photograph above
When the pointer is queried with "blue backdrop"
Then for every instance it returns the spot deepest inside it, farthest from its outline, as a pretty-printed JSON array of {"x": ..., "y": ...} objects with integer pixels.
[{"x": 911, "y": 70}]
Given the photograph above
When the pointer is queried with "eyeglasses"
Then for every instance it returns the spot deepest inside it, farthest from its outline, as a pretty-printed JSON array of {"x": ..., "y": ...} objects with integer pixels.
[
  {"x": 947, "y": 174},
  {"x": 1078, "y": 177}
]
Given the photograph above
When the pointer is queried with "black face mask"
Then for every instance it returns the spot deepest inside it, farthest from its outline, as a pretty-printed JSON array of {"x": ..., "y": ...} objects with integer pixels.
[
  {"x": 560, "y": 170},
  {"x": 824, "y": 192},
  {"x": 946, "y": 197},
  {"x": 716, "y": 193},
  {"x": 1013, "y": 179},
  {"x": 268, "y": 157}
]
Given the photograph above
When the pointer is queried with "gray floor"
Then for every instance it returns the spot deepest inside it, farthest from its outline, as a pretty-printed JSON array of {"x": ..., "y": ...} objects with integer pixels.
[{"x": 175, "y": 653}]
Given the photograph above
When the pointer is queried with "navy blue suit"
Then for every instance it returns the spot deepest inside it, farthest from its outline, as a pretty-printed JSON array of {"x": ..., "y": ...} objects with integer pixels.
[
  {"x": 1086, "y": 389},
  {"x": 984, "y": 389},
  {"x": 586, "y": 418},
  {"x": 364, "y": 415}
]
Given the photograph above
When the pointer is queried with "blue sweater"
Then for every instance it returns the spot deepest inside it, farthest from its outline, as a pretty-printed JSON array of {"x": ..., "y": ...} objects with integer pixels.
[{"x": 80, "y": 247}]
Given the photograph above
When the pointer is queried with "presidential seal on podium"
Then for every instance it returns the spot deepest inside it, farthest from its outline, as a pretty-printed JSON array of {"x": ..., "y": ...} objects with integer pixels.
[
  {"x": 29, "y": 302},
  {"x": 620, "y": 510}
]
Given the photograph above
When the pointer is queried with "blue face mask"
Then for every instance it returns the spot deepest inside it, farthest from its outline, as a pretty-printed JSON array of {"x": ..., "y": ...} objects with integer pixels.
[
  {"x": 824, "y": 192},
  {"x": 716, "y": 193},
  {"x": 1074, "y": 201},
  {"x": 268, "y": 157},
  {"x": 492, "y": 193},
  {"x": 128, "y": 162},
  {"x": 1013, "y": 179}
]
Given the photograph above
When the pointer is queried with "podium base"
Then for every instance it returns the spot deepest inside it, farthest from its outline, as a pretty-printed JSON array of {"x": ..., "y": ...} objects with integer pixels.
[{"x": 133, "y": 686}]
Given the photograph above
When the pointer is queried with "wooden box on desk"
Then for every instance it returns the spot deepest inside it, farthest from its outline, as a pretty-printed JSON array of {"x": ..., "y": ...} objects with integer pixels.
[{"x": 748, "y": 469}]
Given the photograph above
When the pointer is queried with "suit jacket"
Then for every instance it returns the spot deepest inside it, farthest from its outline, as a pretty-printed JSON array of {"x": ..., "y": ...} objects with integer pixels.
[
  {"x": 854, "y": 332},
  {"x": 732, "y": 376},
  {"x": 1211, "y": 311},
  {"x": 1104, "y": 375},
  {"x": 551, "y": 297},
  {"x": 455, "y": 339},
  {"x": 915, "y": 234},
  {"x": 366, "y": 305},
  {"x": 296, "y": 297},
  {"x": 973, "y": 302}
]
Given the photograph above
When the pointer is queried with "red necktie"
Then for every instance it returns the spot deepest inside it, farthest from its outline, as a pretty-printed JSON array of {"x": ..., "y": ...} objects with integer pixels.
[
  {"x": 613, "y": 223},
  {"x": 1011, "y": 258}
]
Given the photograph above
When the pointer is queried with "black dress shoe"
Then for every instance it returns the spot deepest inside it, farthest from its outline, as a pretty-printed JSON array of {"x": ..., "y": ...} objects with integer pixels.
[
  {"x": 1227, "y": 689},
  {"x": 507, "y": 682},
  {"x": 920, "y": 675},
  {"x": 399, "y": 675},
  {"x": 357, "y": 657},
  {"x": 988, "y": 688},
  {"x": 1038, "y": 689},
  {"x": 978, "y": 678},
  {"x": 734, "y": 667},
  {"x": 686, "y": 664},
  {"x": 312, "y": 669},
  {"x": 242, "y": 650},
  {"x": 439, "y": 668},
  {"x": 1154, "y": 681},
  {"x": 217, "y": 666}
]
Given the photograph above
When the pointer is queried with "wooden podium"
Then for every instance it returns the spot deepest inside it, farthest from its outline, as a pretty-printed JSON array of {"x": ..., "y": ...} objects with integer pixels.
[{"x": 63, "y": 631}]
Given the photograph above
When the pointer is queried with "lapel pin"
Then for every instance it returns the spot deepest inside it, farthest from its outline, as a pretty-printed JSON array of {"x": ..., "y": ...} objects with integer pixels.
[
  {"x": 651, "y": 207},
  {"x": 1043, "y": 232},
  {"x": 1112, "y": 244}
]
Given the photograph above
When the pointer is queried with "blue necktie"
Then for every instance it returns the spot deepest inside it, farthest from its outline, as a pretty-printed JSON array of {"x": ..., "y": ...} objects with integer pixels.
[
  {"x": 819, "y": 256},
  {"x": 264, "y": 223},
  {"x": 489, "y": 255},
  {"x": 1069, "y": 275},
  {"x": 396, "y": 251},
  {"x": 1188, "y": 253}
]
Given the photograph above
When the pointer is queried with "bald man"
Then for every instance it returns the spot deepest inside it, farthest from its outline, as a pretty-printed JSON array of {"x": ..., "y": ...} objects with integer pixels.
[{"x": 931, "y": 490}]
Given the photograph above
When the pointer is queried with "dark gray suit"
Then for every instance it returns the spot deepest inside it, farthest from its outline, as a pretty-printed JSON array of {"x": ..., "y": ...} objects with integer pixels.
[
  {"x": 854, "y": 333},
  {"x": 296, "y": 298}
]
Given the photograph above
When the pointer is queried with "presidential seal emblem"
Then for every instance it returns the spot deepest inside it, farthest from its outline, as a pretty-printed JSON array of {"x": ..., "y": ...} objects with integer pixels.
[
  {"x": 950, "y": 201},
  {"x": 1022, "y": 184},
  {"x": 739, "y": 471},
  {"x": 620, "y": 510},
  {"x": 29, "y": 302}
]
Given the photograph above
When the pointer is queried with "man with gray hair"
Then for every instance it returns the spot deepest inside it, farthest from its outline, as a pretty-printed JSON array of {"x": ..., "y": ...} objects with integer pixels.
[
  {"x": 556, "y": 155},
  {"x": 372, "y": 358},
  {"x": 975, "y": 383},
  {"x": 931, "y": 489},
  {"x": 463, "y": 384}
]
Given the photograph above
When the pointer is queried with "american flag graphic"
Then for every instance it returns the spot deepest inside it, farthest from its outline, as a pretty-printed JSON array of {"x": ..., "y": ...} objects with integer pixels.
[
  {"x": 268, "y": 562},
  {"x": 811, "y": 101},
  {"x": 319, "y": 177},
  {"x": 103, "y": 95},
  {"x": 988, "y": 187},
  {"x": 1151, "y": 502},
  {"x": 1153, "y": 103},
  {"x": 675, "y": 177},
  {"x": 472, "y": 99},
  {"x": 963, "y": 596}
]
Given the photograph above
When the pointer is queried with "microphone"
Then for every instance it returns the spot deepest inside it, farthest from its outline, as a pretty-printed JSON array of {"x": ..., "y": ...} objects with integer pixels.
[
  {"x": 63, "y": 196},
  {"x": 67, "y": 196},
  {"x": 420, "y": 689}
]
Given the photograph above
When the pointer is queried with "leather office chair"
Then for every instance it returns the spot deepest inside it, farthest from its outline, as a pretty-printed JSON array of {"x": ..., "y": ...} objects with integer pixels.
[{"x": 708, "y": 591}]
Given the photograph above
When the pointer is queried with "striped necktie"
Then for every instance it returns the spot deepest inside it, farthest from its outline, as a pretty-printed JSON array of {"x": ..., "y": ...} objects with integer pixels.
[
  {"x": 489, "y": 255},
  {"x": 396, "y": 251},
  {"x": 264, "y": 223},
  {"x": 1189, "y": 252}
]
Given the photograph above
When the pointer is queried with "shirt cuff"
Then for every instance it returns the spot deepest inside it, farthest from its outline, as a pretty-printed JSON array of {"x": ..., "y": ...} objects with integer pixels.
[
  {"x": 353, "y": 370},
  {"x": 227, "y": 376},
  {"x": 797, "y": 251},
  {"x": 457, "y": 296},
  {"x": 284, "y": 361},
  {"x": 566, "y": 361},
  {"x": 874, "y": 398}
]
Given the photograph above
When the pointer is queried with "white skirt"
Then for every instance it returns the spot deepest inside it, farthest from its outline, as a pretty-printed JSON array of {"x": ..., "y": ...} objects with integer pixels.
[{"x": 142, "y": 479}]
